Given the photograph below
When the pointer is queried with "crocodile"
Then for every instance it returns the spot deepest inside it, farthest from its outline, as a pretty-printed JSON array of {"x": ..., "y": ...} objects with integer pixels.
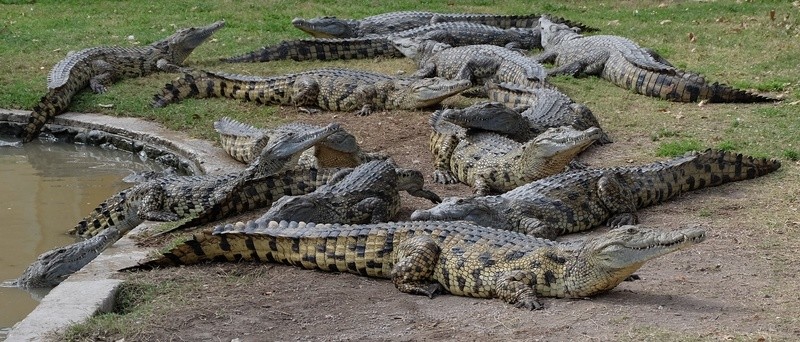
[
  {"x": 490, "y": 162},
  {"x": 200, "y": 199},
  {"x": 582, "y": 199},
  {"x": 52, "y": 267},
  {"x": 368, "y": 193},
  {"x": 329, "y": 89},
  {"x": 625, "y": 64},
  {"x": 174, "y": 197},
  {"x": 489, "y": 116},
  {"x": 243, "y": 142},
  {"x": 455, "y": 257},
  {"x": 543, "y": 108},
  {"x": 392, "y": 22},
  {"x": 98, "y": 67},
  {"x": 452, "y": 33},
  {"x": 477, "y": 63}
]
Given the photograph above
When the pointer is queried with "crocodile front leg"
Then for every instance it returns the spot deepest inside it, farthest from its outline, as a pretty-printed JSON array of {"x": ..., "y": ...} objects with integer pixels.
[
  {"x": 376, "y": 208},
  {"x": 514, "y": 288},
  {"x": 545, "y": 57},
  {"x": 478, "y": 69},
  {"x": 535, "y": 227},
  {"x": 306, "y": 92},
  {"x": 424, "y": 71},
  {"x": 589, "y": 64},
  {"x": 416, "y": 260},
  {"x": 618, "y": 199}
]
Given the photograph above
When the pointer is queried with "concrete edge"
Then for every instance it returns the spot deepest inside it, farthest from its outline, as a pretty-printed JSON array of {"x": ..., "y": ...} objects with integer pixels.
[{"x": 92, "y": 289}]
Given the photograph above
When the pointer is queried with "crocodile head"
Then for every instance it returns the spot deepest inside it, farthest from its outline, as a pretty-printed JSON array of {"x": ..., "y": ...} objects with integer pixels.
[
  {"x": 299, "y": 209},
  {"x": 55, "y": 265},
  {"x": 418, "y": 50},
  {"x": 489, "y": 116},
  {"x": 283, "y": 150},
  {"x": 610, "y": 258},
  {"x": 414, "y": 93},
  {"x": 327, "y": 27},
  {"x": 528, "y": 38},
  {"x": 183, "y": 42},
  {"x": 482, "y": 210},
  {"x": 554, "y": 33},
  {"x": 559, "y": 145}
]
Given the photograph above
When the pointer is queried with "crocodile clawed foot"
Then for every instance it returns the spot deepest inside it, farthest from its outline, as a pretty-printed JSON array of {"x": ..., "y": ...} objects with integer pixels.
[
  {"x": 431, "y": 290},
  {"x": 633, "y": 277},
  {"x": 622, "y": 220},
  {"x": 364, "y": 112},
  {"x": 444, "y": 177},
  {"x": 309, "y": 111},
  {"x": 529, "y": 303}
]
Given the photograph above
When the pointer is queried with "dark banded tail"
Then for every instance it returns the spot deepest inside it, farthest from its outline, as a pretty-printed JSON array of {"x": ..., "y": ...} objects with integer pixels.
[
  {"x": 681, "y": 87},
  {"x": 321, "y": 50},
  {"x": 53, "y": 103}
]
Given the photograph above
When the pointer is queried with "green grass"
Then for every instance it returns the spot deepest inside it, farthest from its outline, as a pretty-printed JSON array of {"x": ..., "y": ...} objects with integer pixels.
[
  {"x": 133, "y": 301},
  {"x": 736, "y": 44}
]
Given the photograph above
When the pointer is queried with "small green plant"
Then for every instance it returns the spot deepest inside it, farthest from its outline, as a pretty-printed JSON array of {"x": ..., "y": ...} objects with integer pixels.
[
  {"x": 663, "y": 133},
  {"x": 678, "y": 148},
  {"x": 792, "y": 155},
  {"x": 727, "y": 145}
]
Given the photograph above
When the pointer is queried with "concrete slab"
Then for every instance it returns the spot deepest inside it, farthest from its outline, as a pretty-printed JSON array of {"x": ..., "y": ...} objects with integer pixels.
[{"x": 92, "y": 289}]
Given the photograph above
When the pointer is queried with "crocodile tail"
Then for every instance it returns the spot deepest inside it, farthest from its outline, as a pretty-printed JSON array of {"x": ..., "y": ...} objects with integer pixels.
[
  {"x": 696, "y": 170},
  {"x": 53, "y": 103},
  {"x": 199, "y": 247},
  {"x": 725, "y": 167},
  {"x": 186, "y": 86},
  {"x": 678, "y": 86},
  {"x": 241, "y": 241},
  {"x": 321, "y": 49},
  {"x": 725, "y": 93},
  {"x": 112, "y": 212},
  {"x": 570, "y": 23}
]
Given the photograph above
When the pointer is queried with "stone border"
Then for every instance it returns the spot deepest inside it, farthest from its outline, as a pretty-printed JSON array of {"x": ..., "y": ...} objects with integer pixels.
[{"x": 92, "y": 289}]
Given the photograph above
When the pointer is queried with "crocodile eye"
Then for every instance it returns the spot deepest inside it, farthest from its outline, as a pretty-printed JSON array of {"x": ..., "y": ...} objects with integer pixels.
[{"x": 631, "y": 230}]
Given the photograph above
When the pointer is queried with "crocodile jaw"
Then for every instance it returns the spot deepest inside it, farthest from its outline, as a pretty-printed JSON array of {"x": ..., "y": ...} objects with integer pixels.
[
  {"x": 55, "y": 265},
  {"x": 325, "y": 27},
  {"x": 183, "y": 42},
  {"x": 565, "y": 140},
  {"x": 553, "y": 33},
  {"x": 484, "y": 211},
  {"x": 292, "y": 143},
  {"x": 630, "y": 246},
  {"x": 284, "y": 151},
  {"x": 430, "y": 91}
]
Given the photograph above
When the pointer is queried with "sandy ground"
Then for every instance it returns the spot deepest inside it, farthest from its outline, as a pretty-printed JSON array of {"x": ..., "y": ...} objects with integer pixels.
[{"x": 738, "y": 285}]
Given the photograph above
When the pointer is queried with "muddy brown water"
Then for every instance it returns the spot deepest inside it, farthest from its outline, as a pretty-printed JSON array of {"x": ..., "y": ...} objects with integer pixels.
[{"x": 45, "y": 189}]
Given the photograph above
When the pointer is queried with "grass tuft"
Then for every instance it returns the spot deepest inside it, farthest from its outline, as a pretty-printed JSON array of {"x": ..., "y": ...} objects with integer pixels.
[{"x": 678, "y": 148}]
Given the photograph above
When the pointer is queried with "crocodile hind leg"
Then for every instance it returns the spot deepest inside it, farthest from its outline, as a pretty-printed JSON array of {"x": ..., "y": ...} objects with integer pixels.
[
  {"x": 99, "y": 83},
  {"x": 150, "y": 208},
  {"x": 376, "y": 208},
  {"x": 416, "y": 260},
  {"x": 306, "y": 92},
  {"x": 618, "y": 199}
]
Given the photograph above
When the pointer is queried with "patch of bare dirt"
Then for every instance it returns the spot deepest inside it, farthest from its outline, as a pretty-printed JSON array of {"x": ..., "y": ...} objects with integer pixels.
[{"x": 739, "y": 284}]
